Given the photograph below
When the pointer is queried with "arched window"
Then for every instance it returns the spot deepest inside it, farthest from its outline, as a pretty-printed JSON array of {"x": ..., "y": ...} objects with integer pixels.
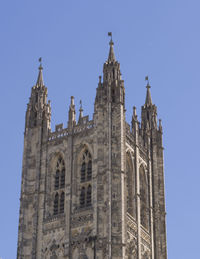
[
  {"x": 89, "y": 196},
  {"x": 82, "y": 197},
  {"x": 55, "y": 209},
  {"x": 83, "y": 172},
  {"x": 62, "y": 202},
  {"x": 60, "y": 174},
  {"x": 86, "y": 167},
  {"x": 144, "y": 199},
  {"x": 89, "y": 170},
  {"x": 59, "y": 185},
  {"x": 57, "y": 178},
  {"x": 62, "y": 179},
  {"x": 85, "y": 180},
  {"x": 131, "y": 186}
]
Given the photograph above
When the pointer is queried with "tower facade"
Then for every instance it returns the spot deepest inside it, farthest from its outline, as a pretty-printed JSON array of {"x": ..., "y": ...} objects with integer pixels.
[{"x": 96, "y": 188}]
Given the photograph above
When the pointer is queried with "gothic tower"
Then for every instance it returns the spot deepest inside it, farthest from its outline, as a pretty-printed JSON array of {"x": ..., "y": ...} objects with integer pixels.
[{"x": 96, "y": 188}]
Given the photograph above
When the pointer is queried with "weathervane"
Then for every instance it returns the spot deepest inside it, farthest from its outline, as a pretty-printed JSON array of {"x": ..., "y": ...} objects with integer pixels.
[
  {"x": 147, "y": 79},
  {"x": 40, "y": 60},
  {"x": 110, "y": 34}
]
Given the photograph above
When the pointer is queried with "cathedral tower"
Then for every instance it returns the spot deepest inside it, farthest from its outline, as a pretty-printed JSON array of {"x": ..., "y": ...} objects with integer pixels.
[{"x": 96, "y": 188}]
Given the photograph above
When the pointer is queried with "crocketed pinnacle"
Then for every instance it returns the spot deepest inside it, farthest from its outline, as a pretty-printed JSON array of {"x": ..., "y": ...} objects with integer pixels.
[
  {"x": 111, "y": 57},
  {"x": 148, "y": 101},
  {"x": 40, "y": 81}
]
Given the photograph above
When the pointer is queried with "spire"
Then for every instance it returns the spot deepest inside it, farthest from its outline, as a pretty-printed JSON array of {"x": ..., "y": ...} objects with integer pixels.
[
  {"x": 111, "y": 57},
  {"x": 148, "y": 101},
  {"x": 40, "y": 81}
]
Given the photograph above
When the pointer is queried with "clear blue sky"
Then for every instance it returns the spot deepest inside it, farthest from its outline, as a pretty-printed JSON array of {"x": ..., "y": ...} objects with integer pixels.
[{"x": 159, "y": 38}]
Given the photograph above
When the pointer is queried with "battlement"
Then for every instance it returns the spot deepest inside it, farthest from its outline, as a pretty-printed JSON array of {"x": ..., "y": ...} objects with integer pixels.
[{"x": 62, "y": 133}]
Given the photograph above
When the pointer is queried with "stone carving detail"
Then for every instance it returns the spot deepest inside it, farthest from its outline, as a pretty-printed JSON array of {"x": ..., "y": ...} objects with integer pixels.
[
  {"x": 80, "y": 220},
  {"x": 53, "y": 246},
  {"x": 82, "y": 242},
  {"x": 145, "y": 252},
  {"x": 131, "y": 247}
]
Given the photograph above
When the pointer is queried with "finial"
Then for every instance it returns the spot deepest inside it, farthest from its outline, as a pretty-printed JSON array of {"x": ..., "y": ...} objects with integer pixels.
[
  {"x": 40, "y": 81},
  {"x": 40, "y": 60},
  {"x": 72, "y": 100},
  {"x": 99, "y": 79},
  {"x": 80, "y": 112},
  {"x": 148, "y": 101},
  {"x": 134, "y": 112},
  {"x": 81, "y": 108},
  {"x": 134, "y": 117},
  {"x": 110, "y": 35},
  {"x": 147, "y": 79},
  {"x": 111, "y": 57}
]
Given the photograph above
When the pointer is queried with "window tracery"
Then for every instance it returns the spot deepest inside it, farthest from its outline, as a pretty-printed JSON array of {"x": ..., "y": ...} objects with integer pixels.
[
  {"x": 144, "y": 199},
  {"x": 130, "y": 186},
  {"x": 85, "y": 199},
  {"x": 59, "y": 185},
  {"x": 55, "y": 209}
]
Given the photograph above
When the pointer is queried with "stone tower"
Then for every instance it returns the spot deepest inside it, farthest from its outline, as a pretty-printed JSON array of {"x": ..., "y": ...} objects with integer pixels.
[{"x": 96, "y": 188}]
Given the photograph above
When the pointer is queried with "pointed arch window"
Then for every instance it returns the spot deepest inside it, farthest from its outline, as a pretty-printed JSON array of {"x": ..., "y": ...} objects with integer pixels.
[
  {"x": 57, "y": 178},
  {"x": 89, "y": 170},
  {"x": 55, "y": 209},
  {"x": 130, "y": 185},
  {"x": 85, "y": 199},
  {"x": 59, "y": 185},
  {"x": 86, "y": 167},
  {"x": 89, "y": 195},
  {"x": 144, "y": 199},
  {"x": 82, "y": 197},
  {"x": 62, "y": 179},
  {"x": 60, "y": 174},
  {"x": 83, "y": 167},
  {"x": 62, "y": 202}
]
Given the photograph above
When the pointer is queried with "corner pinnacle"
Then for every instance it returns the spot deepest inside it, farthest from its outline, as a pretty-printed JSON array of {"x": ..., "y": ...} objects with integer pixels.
[
  {"x": 40, "y": 81},
  {"x": 148, "y": 101},
  {"x": 111, "y": 56}
]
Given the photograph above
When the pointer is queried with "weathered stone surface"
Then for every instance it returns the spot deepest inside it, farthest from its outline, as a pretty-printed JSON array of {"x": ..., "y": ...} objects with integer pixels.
[{"x": 96, "y": 188}]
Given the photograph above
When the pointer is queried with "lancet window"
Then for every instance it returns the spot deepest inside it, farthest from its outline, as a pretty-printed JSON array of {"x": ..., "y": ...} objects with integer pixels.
[
  {"x": 60, "y": 174},
  {"x": 85, "y": 199},
  {"x": 144, "y": 198},
  {"x": 59, "y": 185},
  {"x": 56, "y": 200},
  {"x": 130, "y": 186}
]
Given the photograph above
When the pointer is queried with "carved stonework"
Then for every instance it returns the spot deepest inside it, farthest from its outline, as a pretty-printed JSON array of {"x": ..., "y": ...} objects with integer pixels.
[
  {"x": 80, "y": 220},
  {"x": 131, "y": 247},
  {"x": 145, "y": 252},
  {"x": 96, "y": 188},
  {"x": 53, "y": 246}
]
